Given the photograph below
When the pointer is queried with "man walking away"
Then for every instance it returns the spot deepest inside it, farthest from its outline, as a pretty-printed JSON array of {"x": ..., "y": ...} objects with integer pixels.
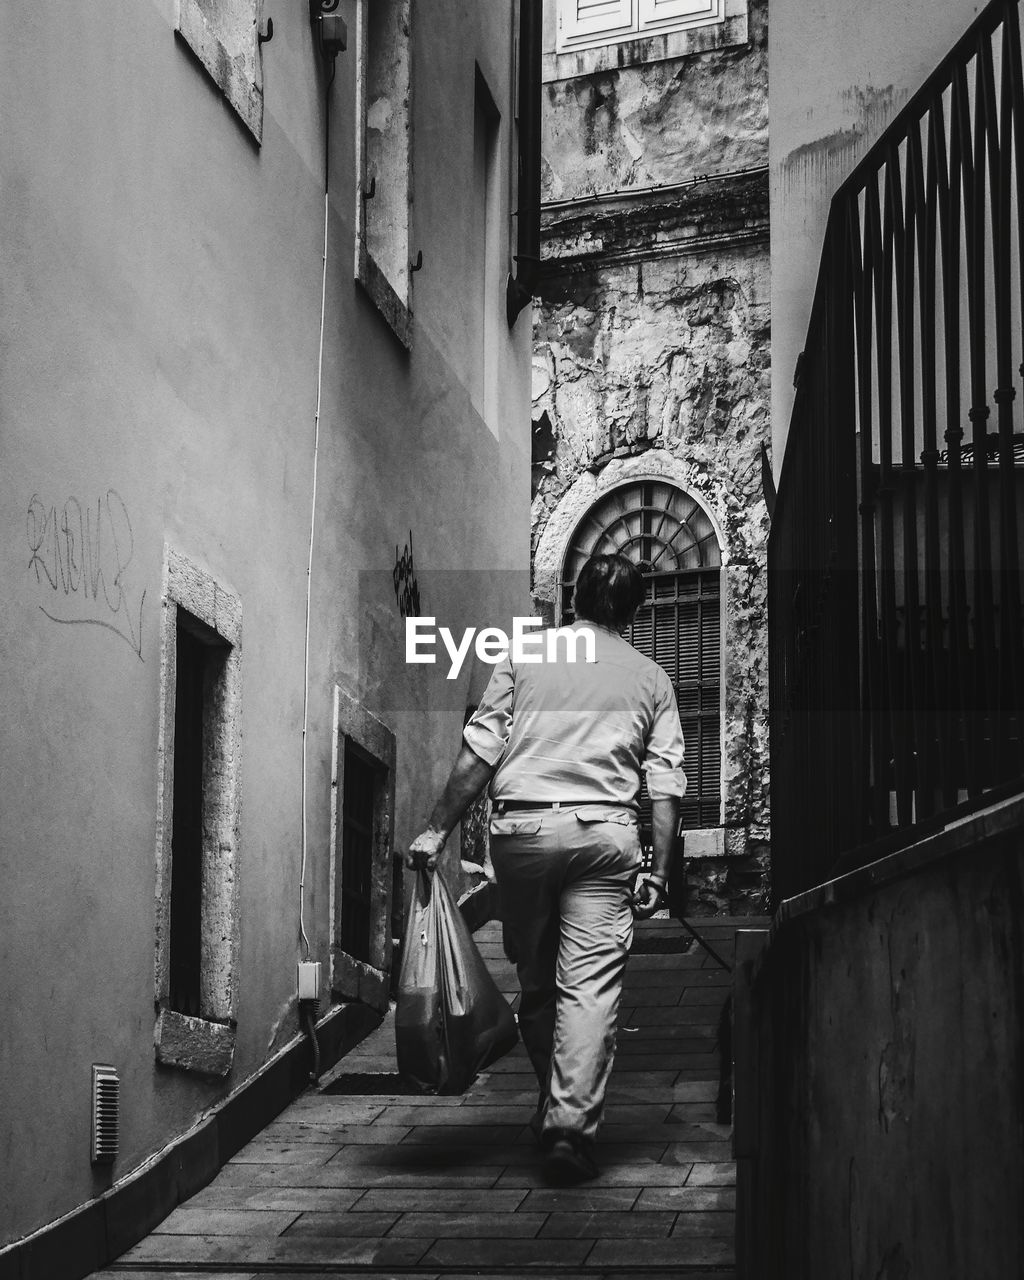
[{"x": 563, "y": 744}]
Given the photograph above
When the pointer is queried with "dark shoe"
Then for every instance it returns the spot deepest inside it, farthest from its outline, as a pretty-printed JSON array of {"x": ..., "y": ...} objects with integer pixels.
[{"x": 567, "y": 1162}]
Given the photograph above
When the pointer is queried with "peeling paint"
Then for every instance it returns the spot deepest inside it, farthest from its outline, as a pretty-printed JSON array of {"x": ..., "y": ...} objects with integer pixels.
[{"x": 379, "y": 115}]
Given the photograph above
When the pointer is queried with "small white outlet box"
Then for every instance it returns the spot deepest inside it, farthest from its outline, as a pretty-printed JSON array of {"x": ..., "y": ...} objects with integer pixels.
[{"x": 309, "y": 979}]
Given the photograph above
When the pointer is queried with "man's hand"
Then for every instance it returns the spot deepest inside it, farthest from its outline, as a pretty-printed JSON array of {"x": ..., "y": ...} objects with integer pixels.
[
  {"x": 649, "y": 894},
  {"x": 465, "y": 782},
  {"x": 425, "y": 850}
]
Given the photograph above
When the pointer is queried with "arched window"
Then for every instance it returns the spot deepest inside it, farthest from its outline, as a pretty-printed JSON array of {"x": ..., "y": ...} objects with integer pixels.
[{"x": 670, "y": 537}]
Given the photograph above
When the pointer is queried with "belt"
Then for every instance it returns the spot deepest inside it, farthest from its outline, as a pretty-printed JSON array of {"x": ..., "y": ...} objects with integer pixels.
[
  {"x": 535, "y": 804},
  {"x": 503, "y": 806}
]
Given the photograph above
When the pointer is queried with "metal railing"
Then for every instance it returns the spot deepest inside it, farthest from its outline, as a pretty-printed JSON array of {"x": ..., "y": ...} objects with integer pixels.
[{"x": 897, "y": 671}]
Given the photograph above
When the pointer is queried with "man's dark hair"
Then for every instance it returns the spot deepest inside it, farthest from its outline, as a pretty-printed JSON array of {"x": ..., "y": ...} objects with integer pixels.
[{"x": 609, "y": 591}]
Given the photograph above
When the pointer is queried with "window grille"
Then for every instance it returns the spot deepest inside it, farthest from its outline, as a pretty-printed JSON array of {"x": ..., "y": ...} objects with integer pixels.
[{"x": 670, "y": 537}]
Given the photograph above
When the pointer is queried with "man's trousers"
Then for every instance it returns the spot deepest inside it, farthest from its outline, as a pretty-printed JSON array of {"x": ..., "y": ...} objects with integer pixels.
[{"x": 564, "y": 878}]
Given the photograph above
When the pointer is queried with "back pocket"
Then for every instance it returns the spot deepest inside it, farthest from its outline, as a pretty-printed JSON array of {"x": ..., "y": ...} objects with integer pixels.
[
  {"x": 514, "y": 826},
  {"x": 601, "y": 813}
]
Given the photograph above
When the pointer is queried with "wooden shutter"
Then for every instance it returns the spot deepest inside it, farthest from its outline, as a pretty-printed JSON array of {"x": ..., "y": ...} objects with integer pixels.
[
  {"x": 589, "y": 21},
  {"x": 660, "y": 13},
  {"x": 679, "y": 627}
]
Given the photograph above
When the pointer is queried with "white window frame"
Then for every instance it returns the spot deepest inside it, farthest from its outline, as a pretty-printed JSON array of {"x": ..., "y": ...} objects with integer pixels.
[{"x": 619, "y": 21}]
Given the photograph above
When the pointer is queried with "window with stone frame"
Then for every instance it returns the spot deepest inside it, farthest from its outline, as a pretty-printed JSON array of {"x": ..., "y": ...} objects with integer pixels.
[
  {"x": 224, "y": 36},
  {"x": 198, "y": 821},
  {"x": 669, "y": 536},
  {"x": 384, "y": 150},
  {"x": 362, "y": 861}
]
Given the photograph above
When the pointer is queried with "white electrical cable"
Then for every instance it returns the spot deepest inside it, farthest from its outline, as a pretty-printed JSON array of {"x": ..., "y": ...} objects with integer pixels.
[{"x": 309, "y": 562}]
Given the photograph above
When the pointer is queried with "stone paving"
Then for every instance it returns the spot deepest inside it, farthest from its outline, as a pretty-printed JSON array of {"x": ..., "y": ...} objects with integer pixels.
[{"x": 385, "y": 1184}]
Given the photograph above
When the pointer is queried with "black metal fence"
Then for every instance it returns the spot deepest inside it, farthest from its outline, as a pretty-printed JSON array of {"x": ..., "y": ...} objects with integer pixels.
[{"x": 897, "y": 669}]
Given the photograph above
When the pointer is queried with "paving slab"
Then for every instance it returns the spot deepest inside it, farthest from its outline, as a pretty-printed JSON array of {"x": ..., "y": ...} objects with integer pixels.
[
  {"x": 367, "y": 1135},
  {"x": 438, "y": 1200},
  {"x": 705, "y": 1250},
  {"x": 519, "y": 1253},
  {"x": 688, "y": 1199},
  {"x": 608, "y": 1223},
  {"x": 288, "y": 1250},
  {"x": 347, "y": 1225},
  {"x": 298, "y": 1199},
  {"x": 471, "y": 1226},
  {"x": 190, "y": 1221}
]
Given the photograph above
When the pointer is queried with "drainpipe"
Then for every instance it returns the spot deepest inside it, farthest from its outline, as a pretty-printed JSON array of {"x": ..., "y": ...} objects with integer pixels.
[{"x": 521, "y": 287}]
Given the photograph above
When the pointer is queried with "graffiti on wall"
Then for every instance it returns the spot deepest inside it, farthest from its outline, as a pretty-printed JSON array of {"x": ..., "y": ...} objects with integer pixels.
[
  {"x": 407, "y": 592},
  {"x": 81, "y": 554}
]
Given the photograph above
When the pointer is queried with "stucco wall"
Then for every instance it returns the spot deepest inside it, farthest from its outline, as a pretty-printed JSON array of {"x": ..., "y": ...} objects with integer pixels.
[
  {"x": 838, "y": 74},
  {"x": 160, "y": 324},
  {"x": 883, "y": 1137}
]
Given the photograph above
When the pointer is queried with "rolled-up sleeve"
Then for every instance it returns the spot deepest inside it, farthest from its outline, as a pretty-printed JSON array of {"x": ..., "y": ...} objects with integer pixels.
[
  {"x": 663, "y": 763},
  {"x": 487, "y": 730}
]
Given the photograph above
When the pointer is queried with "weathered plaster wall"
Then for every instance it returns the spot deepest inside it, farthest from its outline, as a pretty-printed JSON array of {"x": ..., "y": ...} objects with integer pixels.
[
  {"x": 839, "y": 73},
  {"x": 660, "y": 368},
  {"x": 651, "y": 353},
  {"x": 160, "y": 327},
  {"x": 660, "y": 122},
  {"x": 883, "y": 1133}
]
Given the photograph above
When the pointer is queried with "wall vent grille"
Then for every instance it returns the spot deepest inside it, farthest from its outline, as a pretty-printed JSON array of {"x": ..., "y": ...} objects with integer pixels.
[{"x": 106, "y": 1113}]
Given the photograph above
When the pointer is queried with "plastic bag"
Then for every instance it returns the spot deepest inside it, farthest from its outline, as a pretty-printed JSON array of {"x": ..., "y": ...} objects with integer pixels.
[{"x": 451, "y": 1020}]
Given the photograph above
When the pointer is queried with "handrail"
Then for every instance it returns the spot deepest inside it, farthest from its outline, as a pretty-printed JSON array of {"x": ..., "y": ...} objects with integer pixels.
[{"x": 895, "y": 575}]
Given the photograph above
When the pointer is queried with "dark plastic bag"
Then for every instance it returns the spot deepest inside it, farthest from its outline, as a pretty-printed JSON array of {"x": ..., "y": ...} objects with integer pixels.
[{"x": 451, "y": 1020}]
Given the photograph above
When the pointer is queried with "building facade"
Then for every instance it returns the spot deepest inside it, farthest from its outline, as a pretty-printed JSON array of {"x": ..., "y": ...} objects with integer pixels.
[
  {"x": 651, "y": 378},
  {"x": 253, "y": 258}
]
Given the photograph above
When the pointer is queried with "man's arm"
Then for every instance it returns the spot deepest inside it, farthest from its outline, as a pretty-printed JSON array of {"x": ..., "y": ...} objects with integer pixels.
[
  {"x": 469, "y": 775},
  {"x": 664, "y": 822}
]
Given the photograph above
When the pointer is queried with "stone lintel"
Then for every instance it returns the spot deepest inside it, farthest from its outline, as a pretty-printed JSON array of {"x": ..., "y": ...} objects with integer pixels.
[{"x": 687, "y": 219}]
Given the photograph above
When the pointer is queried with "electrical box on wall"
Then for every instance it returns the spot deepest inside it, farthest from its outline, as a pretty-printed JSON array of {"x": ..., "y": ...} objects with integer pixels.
[{"x": 309, "y": 979}]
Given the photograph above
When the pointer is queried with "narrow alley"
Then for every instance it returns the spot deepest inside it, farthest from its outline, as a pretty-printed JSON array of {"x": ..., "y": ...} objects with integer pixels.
[{"x": 349, "y": 1181}]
